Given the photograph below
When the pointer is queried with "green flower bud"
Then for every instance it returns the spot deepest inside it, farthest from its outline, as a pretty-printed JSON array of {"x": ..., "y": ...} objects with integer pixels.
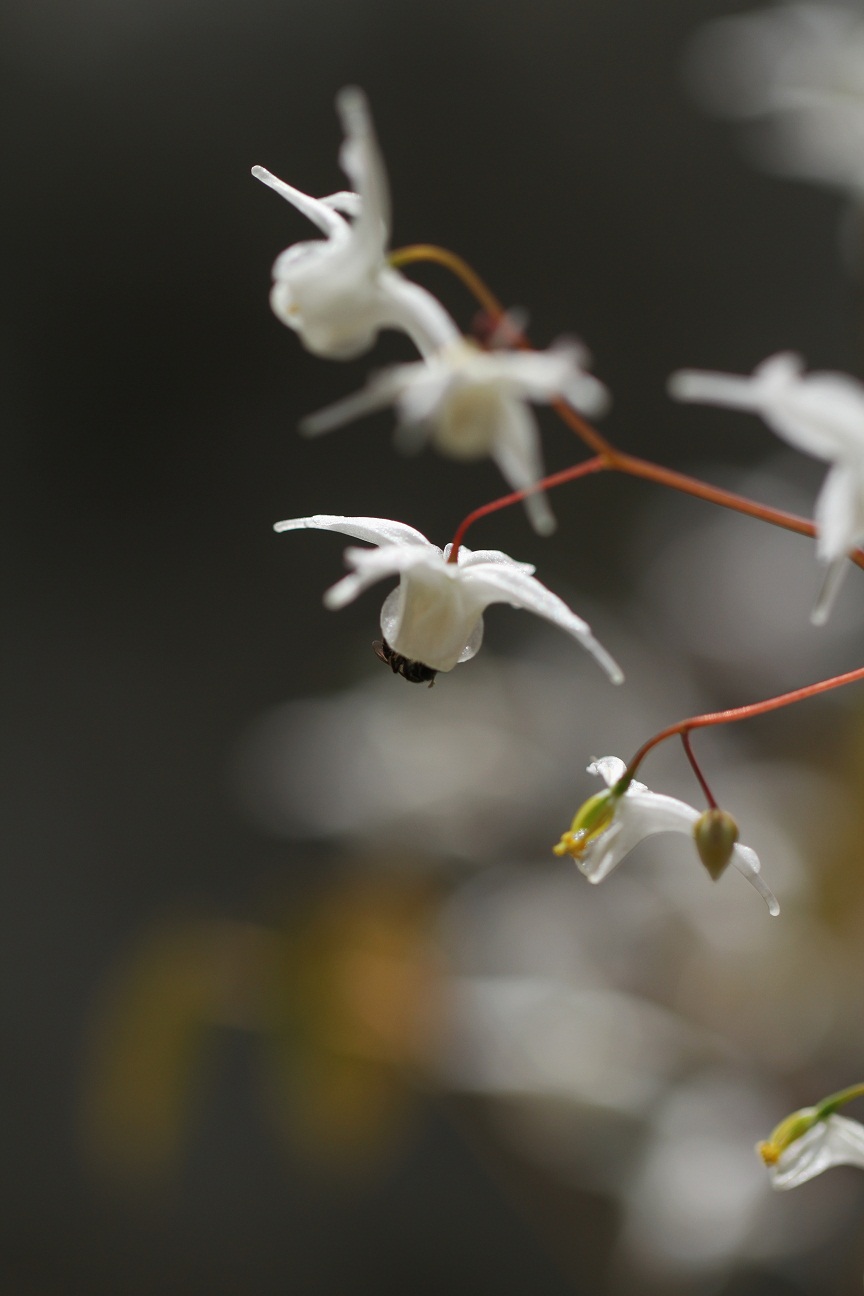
[{"x": 715, "y": 833}]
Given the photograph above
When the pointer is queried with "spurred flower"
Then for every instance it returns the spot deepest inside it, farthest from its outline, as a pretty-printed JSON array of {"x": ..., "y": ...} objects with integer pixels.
[
  {"x": 338, "y": 292},
  {"x": 820, "y": 413},
  {"x": 610, "y": 824},
  {"x": 470, "y": 403},
  {"x": 434, "y": 617}
]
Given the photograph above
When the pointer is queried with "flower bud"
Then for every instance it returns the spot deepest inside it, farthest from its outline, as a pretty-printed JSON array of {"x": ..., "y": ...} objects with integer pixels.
[{"x": 716, "y": 833}]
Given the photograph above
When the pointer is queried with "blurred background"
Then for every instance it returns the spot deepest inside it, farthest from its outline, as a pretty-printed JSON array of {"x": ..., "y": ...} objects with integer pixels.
[{"x": 294, "y": 994}]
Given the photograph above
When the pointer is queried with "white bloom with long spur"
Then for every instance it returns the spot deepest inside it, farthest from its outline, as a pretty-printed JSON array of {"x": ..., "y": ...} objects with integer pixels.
[
  {"x": 806, "y": 1143},
  {"x": 338, "y": 292},
  {"x": 610, "y": 824},
  {"x": 470, "y": 403},
  {"x": 434, "y": 617},
  {"x": 819, "y": 413}
]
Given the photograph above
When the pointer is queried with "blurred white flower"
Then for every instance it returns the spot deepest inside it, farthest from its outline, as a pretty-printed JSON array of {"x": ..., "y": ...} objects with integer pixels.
[
  {"x": 434, "y": 617},
  {"x": 610, "y": 824},
  {"x": 694, "y": 1201},
  {"x": 823, "y": 1142},
  {"x": 820, "y": 413},
  {"x": 338, "y": 292},
  {"x": 472, "y": 403},
  {"x": 800, "y": 69}
]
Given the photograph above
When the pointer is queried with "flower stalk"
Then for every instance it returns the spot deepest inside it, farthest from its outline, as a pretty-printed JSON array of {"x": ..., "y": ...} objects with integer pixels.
[{"x": 612, "y": 458}]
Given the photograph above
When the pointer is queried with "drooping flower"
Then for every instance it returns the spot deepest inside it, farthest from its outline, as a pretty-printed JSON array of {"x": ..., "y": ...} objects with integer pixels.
[
  {"x": 611, "y": 823},
  {"x": 820, "y": 413},
  {"x": 434, "y": 617},
  {"x": 807, "y": 1142},
  {"x": 338, "y": 292},
  {"x": 470, "y": 403}
]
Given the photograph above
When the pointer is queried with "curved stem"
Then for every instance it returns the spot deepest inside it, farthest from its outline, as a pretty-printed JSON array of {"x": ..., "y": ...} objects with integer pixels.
[
  {"x": 614, "y": 459},
  {"x": 555, "y": 479},
  {"x": 741, "y": 713},
  {"x": 459, "y": 267},
  {"x": 703, "y": 783}
]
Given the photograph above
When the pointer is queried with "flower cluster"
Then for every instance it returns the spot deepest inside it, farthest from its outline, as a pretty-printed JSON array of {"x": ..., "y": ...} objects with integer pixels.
[
  {"x": 339, "y": 292},
  {"x": 472, "y": 397}
]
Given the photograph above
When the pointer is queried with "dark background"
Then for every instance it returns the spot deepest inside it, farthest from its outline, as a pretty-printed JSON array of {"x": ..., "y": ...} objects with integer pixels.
[{"x": 149, "y": 406}]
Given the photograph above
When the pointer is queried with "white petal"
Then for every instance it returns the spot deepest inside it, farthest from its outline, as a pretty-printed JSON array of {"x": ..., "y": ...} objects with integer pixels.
[
  {"x": 654, "y": 812},
  {"x": 372, "y": 565},
  {"x": 344, "y": 201},
  {"x": 712, "y": 388},
  {"x": 839, "y": 511},
  {"x": 317, "y": 210},
  {"x": 434, "y": 618},
  {"x": 606, "y": 852},
  {"x": 408, "y": 306},
  {"x": 500, "y": 584},
  {"x": 391, "y": 619},
  {"x": 835, "y": 574},
  {"x": 380, "y": 391},
  {"x": 475, "y": 640},
  {"x": 362, "y": 162},
  {"x": 747, "y": 862},
  {"x": 378, "y": 531},
  {"x": 534, "y": 375},
  {"x": 639, "y": 814},
  {"x": 610, "y": 768},
  {"x": 822, "y": 414},
  {"x": 516, "y": 451},
  {"x": 424, "y": 388},
  {"x": 834, "y": 1141},
  {"x": 470, "y": 557}
]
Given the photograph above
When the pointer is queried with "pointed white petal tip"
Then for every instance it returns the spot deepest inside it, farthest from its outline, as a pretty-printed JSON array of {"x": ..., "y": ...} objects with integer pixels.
[
  {"x": 545, "y": 524},
  {"x": 828, "y": 593},
  {"x": 261, "y": 173},
  {"x": 313, "y": 426},
  {"x": 298, "y": 524},
  {"x": 686, "y": 384}
]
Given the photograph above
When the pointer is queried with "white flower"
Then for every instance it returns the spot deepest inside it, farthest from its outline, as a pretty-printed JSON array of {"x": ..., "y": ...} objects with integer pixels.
[
  {"x": 799, "y": 68},
  {"x": 830, "y": 1141},
  {"x": 608, "y": 827},
  {"x": 471, "y": 403},
  {"x": 434, "y": 618},
  {"x": 820, "y": 413},
  {"x": 338, "y": 292}
]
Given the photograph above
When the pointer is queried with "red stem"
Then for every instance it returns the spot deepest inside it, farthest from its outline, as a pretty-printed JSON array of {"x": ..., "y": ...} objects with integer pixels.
[
  {"x": 555, "y": 479},
  {"x": 614, "y": 459},
  {"x": 685, "y": 739},
  {"x": 741, "y": 713}
]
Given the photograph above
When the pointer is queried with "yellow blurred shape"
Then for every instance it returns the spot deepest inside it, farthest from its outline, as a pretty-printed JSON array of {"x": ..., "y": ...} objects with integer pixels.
[{"x": 151, "y": 1035}]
